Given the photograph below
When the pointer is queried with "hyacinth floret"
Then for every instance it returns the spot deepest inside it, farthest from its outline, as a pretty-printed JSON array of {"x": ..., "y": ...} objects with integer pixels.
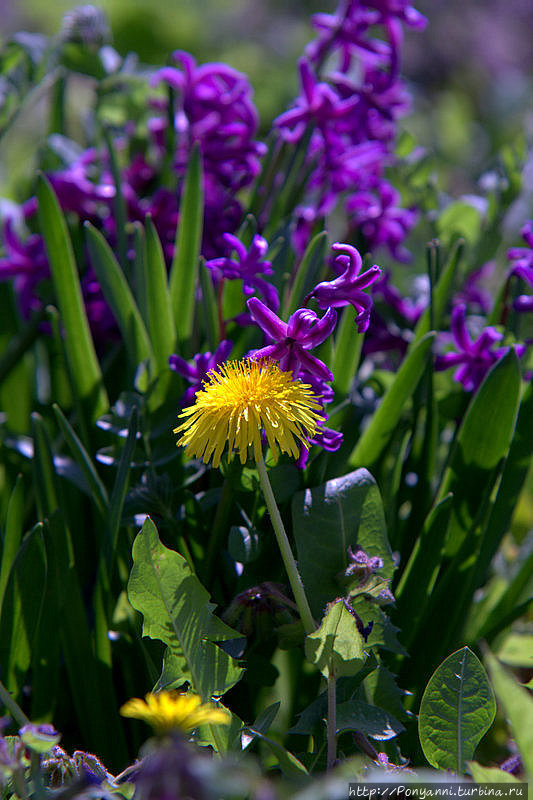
[
  {"x": 293, "y": 339},
  {"x": 249, "y": 266},
  {"x": 197, "y": 370},
  {"x": 473, "y": 357},
  {"x": 239, "y": 401},
  {"x": 521, "y": 259},
  {"x": 348, "y": 287}
]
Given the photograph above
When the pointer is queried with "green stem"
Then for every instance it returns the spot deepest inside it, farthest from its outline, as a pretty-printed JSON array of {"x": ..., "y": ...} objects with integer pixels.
[
  {"x": 17, "y": 713},
  {"x": 285, "y": 549},
  {"x": 332, "y": 718}
]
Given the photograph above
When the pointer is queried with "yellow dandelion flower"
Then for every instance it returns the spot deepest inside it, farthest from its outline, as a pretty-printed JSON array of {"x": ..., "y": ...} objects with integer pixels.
[
  {"x": 174, "y": 711},
  {"x": 239, "y": 400}
]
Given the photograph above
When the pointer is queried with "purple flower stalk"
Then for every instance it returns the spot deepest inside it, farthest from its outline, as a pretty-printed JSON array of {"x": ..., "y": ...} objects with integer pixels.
[
  {"x": 292, "y": 339},
  {"x": 473, "y": 358},
  {"x": 196, "y": 372},
  {"x": 348, "y": 287}
]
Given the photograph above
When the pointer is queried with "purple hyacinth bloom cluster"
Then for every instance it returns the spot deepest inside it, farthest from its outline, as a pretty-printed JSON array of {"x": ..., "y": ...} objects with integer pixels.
[
  {"x": 214, "y": 109},
  {"x": 521, "y": 259},
  {"x": 473, "y": 357},
  {"x": 351, "y": 115},
  {"x": 196, "y": 371}
]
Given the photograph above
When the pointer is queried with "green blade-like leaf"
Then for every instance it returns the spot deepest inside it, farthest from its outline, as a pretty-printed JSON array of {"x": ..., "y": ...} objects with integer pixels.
[
  {"x": 517, "y": 704},
  {"x": 22, "y": 609},
  {"x": 305, "y": 279},
  {"x": 348, "y": 344},
  {"x": 98, "y": 490},
  {"x": 120, "y": 298},
  {"x": 385, "y": 420},
  {"x": 288, "y": 763},
  {"x": 12, "y": 533},
  {"x": 476, "y": 455},
  {"x": 441, "y": 293},
  {"x": 161, "y": 325},
  {"x": 344, "y": 512},
  {"x": 337, "y": 645},
  {"x": 457, "y": 709},
  {"x": 82, "y": 360},
  {"x": 184, "y": 270},
  {"x": 45, "y": 477},
  {"x": 177, "y": 611}
]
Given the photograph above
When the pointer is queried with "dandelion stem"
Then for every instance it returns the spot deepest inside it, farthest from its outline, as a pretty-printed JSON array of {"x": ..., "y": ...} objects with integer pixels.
[{"x": 285, "y": 549}]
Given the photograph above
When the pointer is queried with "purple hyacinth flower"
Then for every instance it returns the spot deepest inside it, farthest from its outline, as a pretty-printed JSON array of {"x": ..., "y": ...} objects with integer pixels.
[
  {"x": 319, "y": 104},
  {"x": 473, "y": 358},
  {"x": 196, "y": 372},
  {"x": 249, "y": 266},
  {"x": 348, "y": 287},
  {"x": 292, "y": 339},
  {"x": 522, "y": 266}
]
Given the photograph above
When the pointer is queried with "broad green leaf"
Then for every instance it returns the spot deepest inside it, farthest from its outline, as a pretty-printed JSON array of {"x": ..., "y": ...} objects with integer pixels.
[
  {"x": 354, "y": 715},
  {"x": 483, "y": 774},
  {"x": 517, "y": 705},
  {"x": 82, "y": 360},
  {"x": 493, "y": 408},
  {"x": 385, "y": 420},
  {"x": 176, "y": 610},
  {"x": 184, "y": 270},
  {"x": 337, "y": 645},
  {"x": 348, "y": 344},
  {"x": 12, "y": 533},
  {"x": 119, "y": 297},
  {"x": 457, "y": 709},
  {"x": 158, "y": 303},
  {"x": 344, "y": 512}
]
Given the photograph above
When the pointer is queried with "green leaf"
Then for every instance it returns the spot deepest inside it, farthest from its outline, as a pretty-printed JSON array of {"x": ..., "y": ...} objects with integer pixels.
[
  {"x": 84, "y": 461},
  {"x": 12, "y": 533},
  {"x": 177, "y": 611},
  {"x": 460, "y": 219},
  {"x": 517, "y": 705},
  {"x": 475, "y": 456},
  {"x": 337, "y": 645},
  {"x": 22, "y": 609},
  {"x": 288, "y": 763},
  {"x": 184, "y": 270},
  {"x": 307, "y": 272},
  {"x": 457, "y": 709},
  {"x": 375, "y": 438},
  {"x": 354, "y": 715},
  {"x": 483, "y": 774},
  {"x": 118, "y": 294},
  {"x": 441, "y": 293},
  {"x": 348, "y": 344},
  {"x": 45, "y": 478},
  {"x": 344, "y": 512},
  {"x": 161, "y": 325},
  {"x": 82, "y": 360}
]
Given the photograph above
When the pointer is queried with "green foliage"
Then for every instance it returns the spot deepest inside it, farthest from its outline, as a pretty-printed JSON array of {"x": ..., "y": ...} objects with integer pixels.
[
  {"x": 176, "y": 610},
  {"x": 457, "y": 709}
]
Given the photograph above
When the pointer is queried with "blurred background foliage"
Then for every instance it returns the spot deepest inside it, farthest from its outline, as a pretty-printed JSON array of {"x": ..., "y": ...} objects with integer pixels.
[{"x": 470, "y": 72}]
